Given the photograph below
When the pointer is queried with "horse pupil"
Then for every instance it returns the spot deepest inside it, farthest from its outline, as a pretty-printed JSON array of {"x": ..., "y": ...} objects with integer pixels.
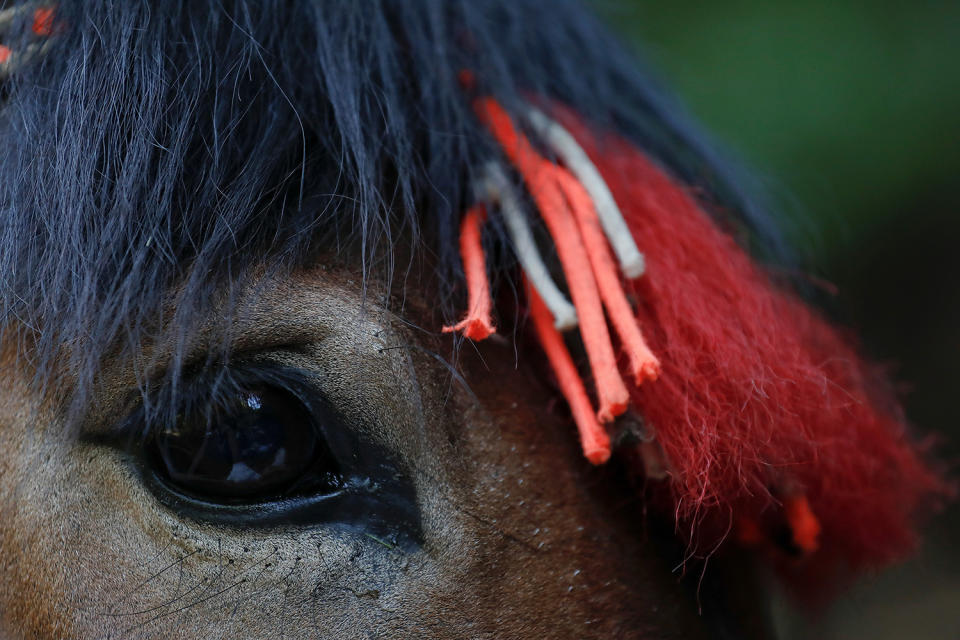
[{"x": 256, "y": 447}]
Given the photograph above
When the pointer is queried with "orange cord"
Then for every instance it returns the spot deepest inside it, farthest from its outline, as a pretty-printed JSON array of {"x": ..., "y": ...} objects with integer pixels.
[
  {"x": 4, "y": 53},
  {"x": 477, "y": 325},
  {"x": 804, "y": 525},
  {"x": 611, "y": 391},
  {"x": 593, "y": 438},
  {"x": 643, "y": 364}
]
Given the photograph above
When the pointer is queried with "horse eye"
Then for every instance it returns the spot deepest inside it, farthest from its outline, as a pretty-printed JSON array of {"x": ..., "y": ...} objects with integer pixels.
[{"x": 260, "y": 444}]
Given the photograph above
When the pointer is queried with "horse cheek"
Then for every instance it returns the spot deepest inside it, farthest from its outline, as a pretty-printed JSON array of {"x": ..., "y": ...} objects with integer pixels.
[{"x": 31, "y": 546}]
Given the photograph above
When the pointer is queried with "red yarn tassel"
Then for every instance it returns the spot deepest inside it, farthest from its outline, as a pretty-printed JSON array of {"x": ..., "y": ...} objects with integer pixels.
[
  {"x": 756, "y": 390},
  {"x": 756, "y": 393}
]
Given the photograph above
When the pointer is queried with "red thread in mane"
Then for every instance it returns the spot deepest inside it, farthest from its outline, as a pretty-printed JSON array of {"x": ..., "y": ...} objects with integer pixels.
[
  {"x": 763, "y": 415},
  {"x": 758, "y": 396}
]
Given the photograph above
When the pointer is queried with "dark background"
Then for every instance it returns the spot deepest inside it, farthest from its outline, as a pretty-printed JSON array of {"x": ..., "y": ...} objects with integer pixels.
[{"x": 850, "y": 114}]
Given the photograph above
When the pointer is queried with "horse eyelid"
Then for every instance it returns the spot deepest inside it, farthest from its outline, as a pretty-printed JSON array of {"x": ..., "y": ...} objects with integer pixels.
[{"x": 195, "y": 389}]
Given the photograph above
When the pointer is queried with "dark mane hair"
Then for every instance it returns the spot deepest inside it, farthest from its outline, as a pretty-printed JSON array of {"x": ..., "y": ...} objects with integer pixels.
[{"x": 176, "y": 144}]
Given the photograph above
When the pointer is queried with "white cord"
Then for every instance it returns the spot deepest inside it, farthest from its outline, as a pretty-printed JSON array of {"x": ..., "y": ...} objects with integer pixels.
[
  {"x": 496, "y": 188},
  {"x": 565, "y": 146},
  {"x": 8, "y": 15}
]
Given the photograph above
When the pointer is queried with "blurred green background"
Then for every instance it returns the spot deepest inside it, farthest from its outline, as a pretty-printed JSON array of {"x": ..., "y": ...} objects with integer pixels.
[{"x": 849, "y": 112}]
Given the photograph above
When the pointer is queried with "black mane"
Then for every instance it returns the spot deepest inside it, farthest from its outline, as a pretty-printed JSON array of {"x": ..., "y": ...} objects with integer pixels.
[{"x": 178, "y": 143}]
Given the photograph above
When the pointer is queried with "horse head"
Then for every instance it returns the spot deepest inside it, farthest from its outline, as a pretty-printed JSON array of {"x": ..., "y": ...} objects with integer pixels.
[{"x": 232, "y": 233}]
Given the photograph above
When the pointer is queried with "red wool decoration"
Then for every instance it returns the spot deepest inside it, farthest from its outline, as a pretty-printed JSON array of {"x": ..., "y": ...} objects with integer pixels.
[{"x": 764, "y": 413}]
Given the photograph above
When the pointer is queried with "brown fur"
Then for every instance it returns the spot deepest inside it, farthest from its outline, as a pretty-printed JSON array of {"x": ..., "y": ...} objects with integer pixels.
[{"x": 523, "y": 539}]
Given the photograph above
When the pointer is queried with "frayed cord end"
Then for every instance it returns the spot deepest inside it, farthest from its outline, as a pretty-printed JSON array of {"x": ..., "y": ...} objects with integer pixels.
[
  {"x": 593, "y": 437},
  {"x": 477, "y": 325},
  {"x": 596, "y": 455},
  {"x": 610, "y": 409},
  {"x": 804, "y": 525},
  {"x": 635, "y": 267},
  {"x": 645, "y": 367},
  {"x": 565, "y": 317},
  {"x": 476, "y": 329}
]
